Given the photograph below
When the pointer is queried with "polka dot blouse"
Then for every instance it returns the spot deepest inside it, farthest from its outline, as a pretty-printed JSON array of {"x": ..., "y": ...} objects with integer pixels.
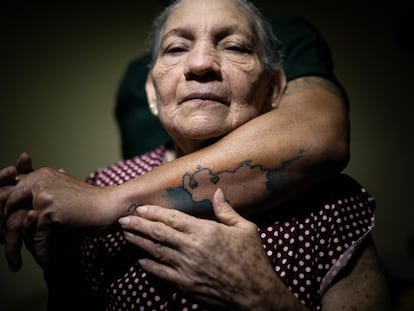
[{"x": 308, "y": 241}]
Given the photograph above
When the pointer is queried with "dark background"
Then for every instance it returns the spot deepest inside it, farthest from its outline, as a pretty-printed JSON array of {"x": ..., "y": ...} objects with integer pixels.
[{"x": 61, "y": 65}]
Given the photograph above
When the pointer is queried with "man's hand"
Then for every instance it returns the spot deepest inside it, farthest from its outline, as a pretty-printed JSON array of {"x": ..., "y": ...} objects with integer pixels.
[
  {"x": 11, "y": 228},
  {"x": 59, "y": 203},
  {"x": 219, "y": 262}
]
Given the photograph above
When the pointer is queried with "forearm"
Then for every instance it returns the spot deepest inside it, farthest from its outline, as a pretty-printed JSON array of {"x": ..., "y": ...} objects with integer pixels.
[{"x": 274, "y": 156}]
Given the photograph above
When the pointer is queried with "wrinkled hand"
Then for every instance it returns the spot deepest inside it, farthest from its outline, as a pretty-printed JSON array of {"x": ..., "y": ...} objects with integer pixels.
[
  {"x": 58, "y": 201},
  {"x": 217, "y": 262},
  {"x": 11, "y": 228}
]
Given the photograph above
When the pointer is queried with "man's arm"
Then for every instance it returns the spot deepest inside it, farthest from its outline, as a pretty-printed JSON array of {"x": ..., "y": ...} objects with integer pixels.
[{"x": 274, "y": 156}]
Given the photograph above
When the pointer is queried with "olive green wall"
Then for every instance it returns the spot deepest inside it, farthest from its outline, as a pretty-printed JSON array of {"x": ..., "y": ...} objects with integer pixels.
[{"x": 61, "y": 65}]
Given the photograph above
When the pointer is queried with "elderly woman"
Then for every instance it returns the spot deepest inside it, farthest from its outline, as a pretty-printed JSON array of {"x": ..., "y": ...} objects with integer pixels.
[{"x": 212, "y": 73}]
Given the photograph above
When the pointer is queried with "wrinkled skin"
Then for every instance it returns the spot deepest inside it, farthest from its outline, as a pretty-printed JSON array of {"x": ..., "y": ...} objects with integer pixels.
[
  {"x": 11, "y": 229},
  {"x": 59, "y": 199},
  {"x": 210, "y": 260}
]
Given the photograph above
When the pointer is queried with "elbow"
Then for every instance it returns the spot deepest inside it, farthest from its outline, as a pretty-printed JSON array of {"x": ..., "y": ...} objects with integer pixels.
[
  {"x": 334, "y": 146},
  {"x": 339, "y": 153}
]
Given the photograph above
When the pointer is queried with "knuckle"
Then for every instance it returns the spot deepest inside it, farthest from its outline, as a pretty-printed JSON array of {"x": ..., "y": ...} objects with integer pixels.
[
  {"x": 159, "y": 251},
  {"x": 45, "y": 171},
  {"x": 158, "y": 233},
  {"x": 209, "y": 230},
  {"x": 252, "y": 226},
  {"x": 174, "y": 220},
  {"x": 43, "y": 198},
  {"x": 15, "y": 222}
]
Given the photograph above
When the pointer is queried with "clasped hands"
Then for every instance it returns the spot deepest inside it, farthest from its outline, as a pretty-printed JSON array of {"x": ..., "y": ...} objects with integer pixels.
[
  {"x": 214, "y": 261},
  {"x": 33, "y": 203}
]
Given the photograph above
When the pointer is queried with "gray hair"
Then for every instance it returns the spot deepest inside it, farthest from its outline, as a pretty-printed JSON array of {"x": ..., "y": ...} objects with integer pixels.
[{"x": 268, "y": 46}]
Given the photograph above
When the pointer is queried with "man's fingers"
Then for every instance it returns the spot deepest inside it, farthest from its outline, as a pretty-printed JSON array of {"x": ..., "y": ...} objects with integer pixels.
[
  {"x": 4, "y": 194},
  {"x": 14, "y": 239},
  {"x": 20, "y": 198},
  {"x": 41, "y": 246},
  {"x": 24, "y": 164},
  {"x": 7, "y": 176},
  {"x": 29, "y": 229}
]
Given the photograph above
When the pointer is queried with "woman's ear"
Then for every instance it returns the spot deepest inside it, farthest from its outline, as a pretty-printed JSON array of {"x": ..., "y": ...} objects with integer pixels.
[
  {"x": 151, "y": 95},
  {"x": 279, "y": 86}
]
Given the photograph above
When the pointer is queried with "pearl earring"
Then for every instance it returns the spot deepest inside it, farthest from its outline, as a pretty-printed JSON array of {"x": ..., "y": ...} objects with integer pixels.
[{"x": 153, "y": 108}]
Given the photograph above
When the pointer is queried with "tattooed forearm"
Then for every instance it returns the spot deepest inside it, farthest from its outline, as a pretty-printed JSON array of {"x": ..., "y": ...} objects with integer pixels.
[
  {"x": 276, "y": 179},
  {"x": 194, "y": 193},
  {"x": 183, "y": 200}
]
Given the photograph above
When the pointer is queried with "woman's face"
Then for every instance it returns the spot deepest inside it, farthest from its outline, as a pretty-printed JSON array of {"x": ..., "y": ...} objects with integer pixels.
[{"x": 207, "y": 79}]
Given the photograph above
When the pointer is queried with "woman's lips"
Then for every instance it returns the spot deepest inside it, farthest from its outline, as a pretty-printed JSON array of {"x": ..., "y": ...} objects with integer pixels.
[{"x": 204, "y": 97}]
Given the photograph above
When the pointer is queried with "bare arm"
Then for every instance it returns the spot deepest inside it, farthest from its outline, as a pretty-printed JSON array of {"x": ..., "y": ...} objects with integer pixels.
[
  {"x": 362, "y": 286},
  {"x": 275, "y": 156}
]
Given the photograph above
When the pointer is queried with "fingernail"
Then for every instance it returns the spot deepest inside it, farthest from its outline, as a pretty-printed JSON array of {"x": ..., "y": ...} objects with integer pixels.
[
  {"x": 123, "y": 221},
  {"x": 142, "y": 209},
  {"x": 220, "y": 196},
  {"x": 127, "y": 233}
]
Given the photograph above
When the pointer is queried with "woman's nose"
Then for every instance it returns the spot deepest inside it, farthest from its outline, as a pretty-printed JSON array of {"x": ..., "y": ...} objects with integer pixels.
[{"x": 201, "y": 61}]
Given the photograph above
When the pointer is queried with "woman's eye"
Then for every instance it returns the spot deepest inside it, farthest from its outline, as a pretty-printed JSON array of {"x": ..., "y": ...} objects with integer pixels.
[
  {"x": 239, "y": 49},
  {"x": 174, "y": 50}
]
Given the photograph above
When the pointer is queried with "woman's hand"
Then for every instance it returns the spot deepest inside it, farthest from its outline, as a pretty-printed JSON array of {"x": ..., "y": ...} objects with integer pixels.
[{"x": 219, "y": 262}]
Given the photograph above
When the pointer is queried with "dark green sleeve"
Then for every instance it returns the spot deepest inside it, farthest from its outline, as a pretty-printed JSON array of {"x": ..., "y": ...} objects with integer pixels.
[
  {"x": 304, "y": 51},
  {"x": 140, "y": 130}
]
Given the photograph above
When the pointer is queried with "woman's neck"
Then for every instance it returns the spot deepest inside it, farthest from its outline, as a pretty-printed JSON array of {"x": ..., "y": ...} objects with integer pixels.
[{"x": 181, "y": 149}]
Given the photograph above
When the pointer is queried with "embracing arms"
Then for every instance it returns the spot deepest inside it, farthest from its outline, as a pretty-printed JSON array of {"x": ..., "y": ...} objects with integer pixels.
[{"x": 273, "y": 156}]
